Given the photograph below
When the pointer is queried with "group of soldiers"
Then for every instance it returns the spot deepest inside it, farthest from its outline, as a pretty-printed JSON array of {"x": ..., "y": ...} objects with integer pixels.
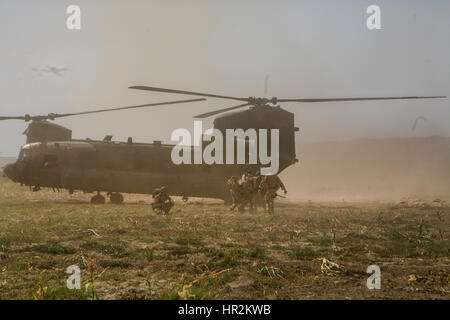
[
  {"x": 250, "y": 190},
  {"x": 254, "y": 189}
]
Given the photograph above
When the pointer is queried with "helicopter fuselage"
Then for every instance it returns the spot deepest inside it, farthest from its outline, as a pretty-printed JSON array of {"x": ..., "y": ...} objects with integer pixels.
[
  {"x": 127, "y": 167},
  {"x": 118, "y": 167}
]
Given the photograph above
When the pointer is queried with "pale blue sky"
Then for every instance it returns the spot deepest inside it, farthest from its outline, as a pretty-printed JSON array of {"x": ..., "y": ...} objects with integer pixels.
[{"x": 309, "y": 48}]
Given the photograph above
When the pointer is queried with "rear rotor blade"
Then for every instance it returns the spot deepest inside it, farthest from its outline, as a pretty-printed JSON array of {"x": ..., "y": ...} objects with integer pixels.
[
  {"x": 186, "y": 92},
  {"x": 358, "y": 99},
  {"x": 212, "y": 113}
]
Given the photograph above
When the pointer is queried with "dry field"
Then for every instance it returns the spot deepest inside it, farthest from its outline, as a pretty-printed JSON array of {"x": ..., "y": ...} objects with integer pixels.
[{"x": 203, "y": 251}]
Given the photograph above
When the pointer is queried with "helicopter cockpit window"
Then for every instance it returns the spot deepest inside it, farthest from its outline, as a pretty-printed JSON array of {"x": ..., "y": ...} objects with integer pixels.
[
  {"x": 26, "y": 150},
  {"x": 31, "y": 146},
  {"x": 20, "y": 157},
  {"x": 24, "y": 154}
]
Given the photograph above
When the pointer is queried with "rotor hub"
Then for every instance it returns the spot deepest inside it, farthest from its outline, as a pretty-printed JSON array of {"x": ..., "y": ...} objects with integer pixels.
[{"x": 258, "y": 102}]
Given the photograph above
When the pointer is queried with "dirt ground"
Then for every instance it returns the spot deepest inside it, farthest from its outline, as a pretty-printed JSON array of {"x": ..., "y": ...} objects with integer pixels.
[{"x": 201, "y": 250}]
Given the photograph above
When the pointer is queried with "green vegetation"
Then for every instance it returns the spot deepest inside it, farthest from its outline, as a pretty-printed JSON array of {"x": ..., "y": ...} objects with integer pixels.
[{"x": 203, "y": 251}]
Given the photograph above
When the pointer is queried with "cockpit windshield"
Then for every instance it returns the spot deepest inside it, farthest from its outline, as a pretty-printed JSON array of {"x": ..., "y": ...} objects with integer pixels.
[
  {"x": 26, "y": 150},
  {"x": 23, "y": 154},
  {"x": 31, "y": 146}
]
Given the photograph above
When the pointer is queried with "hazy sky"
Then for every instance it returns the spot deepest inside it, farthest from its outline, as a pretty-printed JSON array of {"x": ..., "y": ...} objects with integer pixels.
[{"x": 310, "y": 49}]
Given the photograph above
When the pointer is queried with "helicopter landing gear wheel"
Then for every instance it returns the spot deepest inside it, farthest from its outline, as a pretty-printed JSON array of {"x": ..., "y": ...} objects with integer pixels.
[
  {"x": 98, "y": 199},
  {"x": 116, "y": 198}
]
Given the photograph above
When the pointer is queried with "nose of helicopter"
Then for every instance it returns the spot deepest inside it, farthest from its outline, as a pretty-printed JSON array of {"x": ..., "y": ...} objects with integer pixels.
[{"x": 9, "y": 171}]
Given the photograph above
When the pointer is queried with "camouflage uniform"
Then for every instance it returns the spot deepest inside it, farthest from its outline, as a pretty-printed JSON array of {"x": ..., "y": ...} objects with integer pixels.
[
  {"x": 162, "y": 200},
  {"x": 244, "y": 191},
  {"x": 251, "y": 188},
  {"x": 237, "y": 193},
  {"x": 268, "y": 187},
  {"x": 246, "y": 176}
]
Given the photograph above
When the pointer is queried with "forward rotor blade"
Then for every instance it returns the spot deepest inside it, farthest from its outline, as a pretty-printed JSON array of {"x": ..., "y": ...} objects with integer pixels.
[
  {"x": 358, "y": 99},
  {"x": 186, "y": 92},
  {"x": 12, "y": 118},
  {"x": 212, "y": 113},
  {"x": 53, "y": 116},
  {"x": 126, "y": 108}
]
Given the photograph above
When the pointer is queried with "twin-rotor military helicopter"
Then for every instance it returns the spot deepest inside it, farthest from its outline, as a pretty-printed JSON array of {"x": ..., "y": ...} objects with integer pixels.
[{"x": 51, "y": 158}]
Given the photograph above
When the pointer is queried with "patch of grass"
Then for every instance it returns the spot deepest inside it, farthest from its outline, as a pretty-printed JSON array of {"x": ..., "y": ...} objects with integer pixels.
[
  {"x": 115, "y": 263},
  {"x": 273, "y": 236},
  {"x": 257, "y": 252},
  {"x": 228, "y": 260},
  {"x": 393, "y": 234},
  {"x": 183, "y": 292},
  {"x": 303, "y": 253},
  {"x": 63, "y": 293},
  {"x": 351, "y": 236},
  {"x": 141, "y": 254},
  {"x": 5, "y": 242},
  {"x": 50, "y": 248},
  {"x": 239, "y": 252},
  {"x": 270, "y": 271},
  {"x": 108, "y": 249},
  {"x": 48, "y": 265},
  {"x": 435, "y": 249},
  {"x": 400, "y": 249},
  {"x": 180, "y": 250},
  {"x": 186, "y": 241},
  {"x": 213, "y": 252},
  {"x": 158, "y": 225},
  {"x": 325, "y": 240},
  {"x": 116, "y": 274}
]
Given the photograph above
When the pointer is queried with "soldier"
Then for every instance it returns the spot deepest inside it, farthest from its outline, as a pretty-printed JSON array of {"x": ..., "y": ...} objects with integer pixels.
[
  {"x": 162, "y": 203},
  {"x": 268, "y": 188},
  {"x": 251, "y": 189},
  {"x": 237, "y": 193}
]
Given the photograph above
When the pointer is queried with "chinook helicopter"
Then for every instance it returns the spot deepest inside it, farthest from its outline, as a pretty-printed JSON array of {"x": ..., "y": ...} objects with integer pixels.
[{"x": 51, "y": 158}]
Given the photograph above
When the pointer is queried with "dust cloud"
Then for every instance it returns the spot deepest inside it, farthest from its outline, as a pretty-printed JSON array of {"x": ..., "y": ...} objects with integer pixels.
[{"x": 386, "y": 170}]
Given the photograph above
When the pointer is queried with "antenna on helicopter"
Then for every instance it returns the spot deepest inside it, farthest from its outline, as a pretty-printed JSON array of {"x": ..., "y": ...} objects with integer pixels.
[{"x": 266, "y": 84}]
